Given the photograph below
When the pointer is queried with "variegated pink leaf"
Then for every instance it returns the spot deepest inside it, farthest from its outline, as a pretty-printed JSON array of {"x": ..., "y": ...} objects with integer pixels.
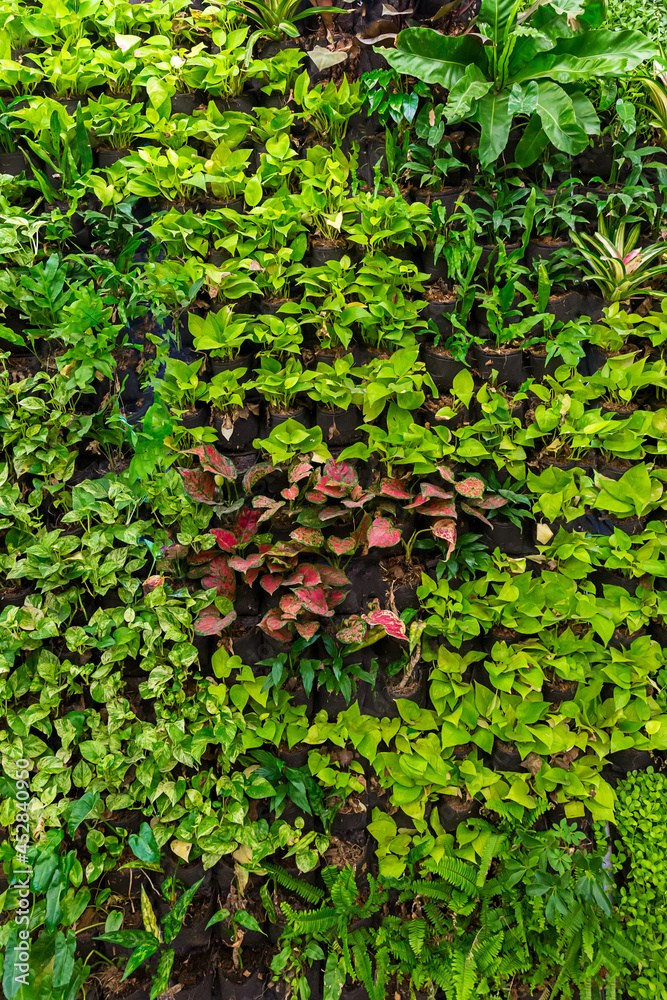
[
  {"x": 332, "y": 490},
  {"x": 333, "y": 577},
  {"x": 359, "y": 535},
  {"x": 221, "y": 575},
  {"x": 307, "y": 629},
  {"x": 254, "y": 475},
  {"x": 290, "y": 492},
  {"x": 314, "y": 599},
  {"x": 269, "y": 508},
  {"x": 472, "y": 510},
  {"x": 446, "y": 473},
  {"x": 290, "y": 605},
  {"x": 382, "y": 534},
  {"x": 341, "y": 546},
  {"x": 211, "y": 622},
  {"x": 491, "y": 503},
  {"x": 273, "y": 624},
  {"x": 242, "y": 565},
  {"x": 335, "y": 598},
  {"x": 388, "y": 621},
  {"x": 472, "y": 487},
  {"x": 395, "y": 488},
  {"x": 214, "y": 462},
  {"x": 246, "y": 525},
  {"x": 314, "y": 496},
  {"x": 438, "y": 508},
  {"x": 312, "y": 537},
  {"x": 299, "y": 471},
  {"x": 341, "y": 472},
  {"x": 445, "y": 529},
  {"x": 199, "y": 485},
  {"x": 353, "y": 630},
  {"x": 226, "y": 539},
  {"x": 358, "y": 501},
  {"x": 330, "y": 514},
  {"x": 270, "y": 582}
]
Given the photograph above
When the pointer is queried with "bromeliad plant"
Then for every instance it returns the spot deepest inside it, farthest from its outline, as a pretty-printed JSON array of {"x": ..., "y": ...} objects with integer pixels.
[
  {"x": 534, "y": 65},
  {"x": 613, "y": 262},
  {"x": 275, "y": 19}
]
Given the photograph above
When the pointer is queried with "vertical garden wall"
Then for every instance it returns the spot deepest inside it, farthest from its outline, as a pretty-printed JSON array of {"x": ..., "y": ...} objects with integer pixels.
[{"x": 333, "y": 606}]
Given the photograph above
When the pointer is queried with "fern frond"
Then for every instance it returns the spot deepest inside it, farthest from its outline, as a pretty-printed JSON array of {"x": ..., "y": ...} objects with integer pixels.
[
  {"x": 493, "y": 843},
  {"x": 311, "y": 893},
  {"x": 310, "y": 921},
  {"x": 457, "y": 873}
]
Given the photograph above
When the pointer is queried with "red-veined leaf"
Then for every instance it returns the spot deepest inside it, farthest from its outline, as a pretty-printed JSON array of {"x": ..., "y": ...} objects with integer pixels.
[
  {"x": 210, "y": 621},
  {"x": 388, "y": 621},
  {"x": 446, "y": 473},
  {"x": 438, "y": 508},
  {"x": 394, "y": 488},
  {"x": 382, "y": 534},
  {"x": 273, "y": 624},
  {"x": 226, "y": 539},
  {"x": 353, "y": 630},
  {"x": 472, "y": 487},
  {"x": 330, "y": 513},
  {"x": 221, "y": 575},
  {"x": 333, "y": 577},
  {"x": 199, "y": 485},
  {"x": 307, "y": 629},
  {"x": 341, "y": 472},
  {"x": 314, "y": 496},
  {"x": 471, "y": 510},
  {"x": 341, "y": 546},
  {"x": 491, "y": 503},
  {"x": 214, "y": 462},
  {"x": 299, "y": 471},
  {"x": 254, "y": 475},
  {"x": 445, "y": 529},
  {"x": 314, "y": 599},
  {"x": 336, "y": 597},
  {"x": 308, "y": 536},
  {"x": 290, "y": 605},
  {"x": 290, "y": 492},
  {"x": 246, "y": 525},
  {"x": 242, "y": 565},
  {"x": 270, "y": 582}
]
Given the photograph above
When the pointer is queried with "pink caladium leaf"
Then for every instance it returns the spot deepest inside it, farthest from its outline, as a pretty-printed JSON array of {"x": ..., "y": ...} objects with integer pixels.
[
  {"x": 290, "y": 605},
  {"x": 332, "y": 490},
  {"x": 290, "y": 492},
  {"x": 308, "y": 536},
  {"x": 211, "y": 622},
  {"x": 174, "y": 551},
  {"x": 353, "y": 630},
  {"x": 221, "y": 576},
  {"x": 336, "y": 597},
  {"x": 330, "y": 514},
  {"x": 446, "y": 473},
  {"x": 256, "y": 473},
  {"x": 270, "y": 582},
  {"x": 341, "y": 546},
  {"x": 395, "y": 488},
  {"x": 341, "y": 472},
  {"x": 314, "y": 600},
  {"x": 382, "y": 534},
  {"x": 273, "y": 625},
  {"x": 226, "y": 539},
  {"x": 214, "y": 462},
  {"x": 245, "y": 527},
  {"x": 333, "y": 577},
  {"x": 472, "y": 510},
  {"x": 388, "y": 621},
  {"x": 438, "y": 508},
  {"x": 199, "y": 485},
  {"x": 472, "y": 487},
  {"x": 299, "y": 471},
  {"x": 269, "y": 507},
  {"x": 358, "y": 501},
  {"x": 314, "y": 496},
  {"x": 307, "y": 629},
  {"x": 252, "y": 561},
  {"x": 446, "y": 530},
  {"x": 491, "y": 503}
]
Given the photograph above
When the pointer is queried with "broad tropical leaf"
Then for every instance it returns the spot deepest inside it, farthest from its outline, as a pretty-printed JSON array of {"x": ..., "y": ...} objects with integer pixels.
[{"x": 435, "y": 58}]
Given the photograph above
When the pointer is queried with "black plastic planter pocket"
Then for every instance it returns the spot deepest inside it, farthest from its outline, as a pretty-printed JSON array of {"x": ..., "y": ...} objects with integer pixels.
[
  {"x": 12, "y": 164},
  {"x": 274, "y": 419},
  {"x": 237, "y": 430},
  {"x": 510, "y": 538},
  {"x": 441, "y": 366},
  {"x": 339, "y": 427},
  {"x": 508, "y": 364}
]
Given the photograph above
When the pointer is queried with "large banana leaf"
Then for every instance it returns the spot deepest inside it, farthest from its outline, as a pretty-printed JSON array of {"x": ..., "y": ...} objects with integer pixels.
[
  {"x": 435, "y": 58},
  {"x": 588, "y": 56}
]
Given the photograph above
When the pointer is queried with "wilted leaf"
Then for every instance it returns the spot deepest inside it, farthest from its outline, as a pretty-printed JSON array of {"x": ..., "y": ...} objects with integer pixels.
[
  {"x": 324, "y": 59},
  {"x": 445, "y": 529},
  {"x": 471, "y": 510}
]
